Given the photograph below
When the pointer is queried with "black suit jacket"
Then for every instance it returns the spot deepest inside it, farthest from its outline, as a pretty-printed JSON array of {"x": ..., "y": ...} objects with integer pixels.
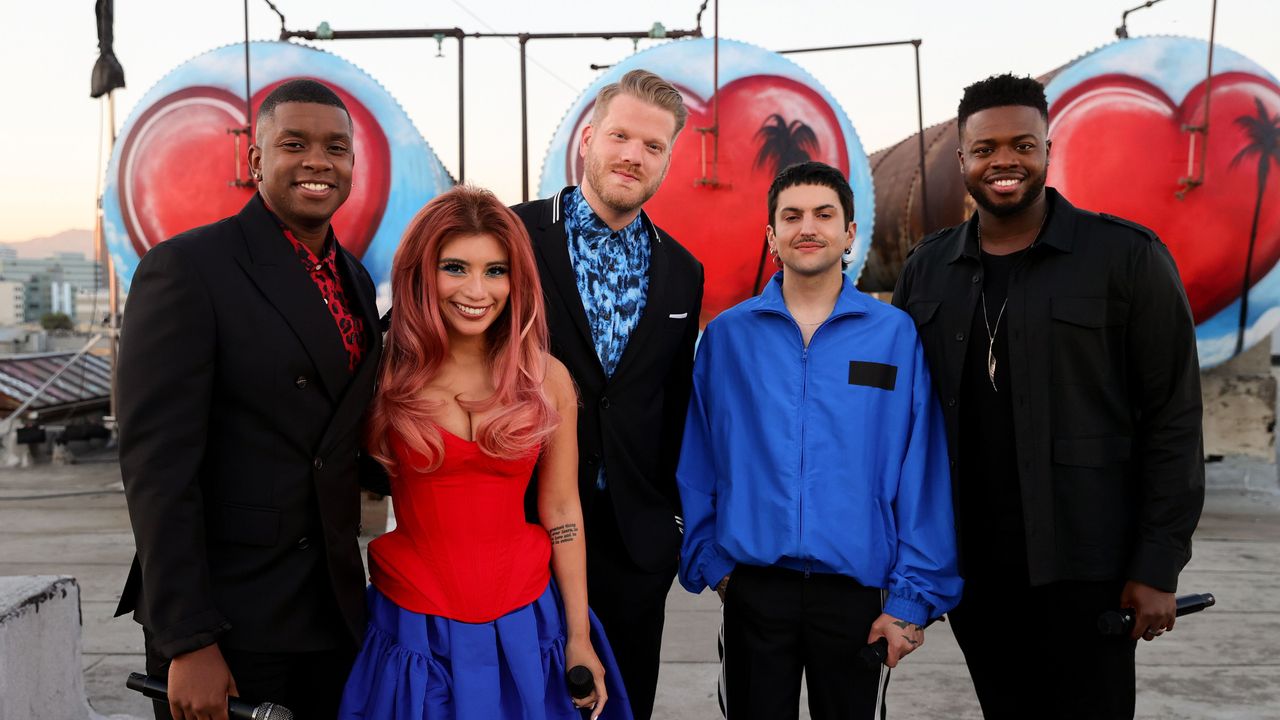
[
  {"x": 239, "y": 443},
  {"x": 632, "y": 422}
]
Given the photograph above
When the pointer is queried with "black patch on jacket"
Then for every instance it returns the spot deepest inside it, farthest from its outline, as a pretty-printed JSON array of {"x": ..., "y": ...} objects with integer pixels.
[{"x": 873, "y": 374}]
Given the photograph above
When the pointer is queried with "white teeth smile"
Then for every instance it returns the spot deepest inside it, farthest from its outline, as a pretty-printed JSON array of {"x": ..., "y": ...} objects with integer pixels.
[
  {"x": 314, "y": 187},
  {"x": 1006, "y": 182},
  {"x": 471, "y": 311}
]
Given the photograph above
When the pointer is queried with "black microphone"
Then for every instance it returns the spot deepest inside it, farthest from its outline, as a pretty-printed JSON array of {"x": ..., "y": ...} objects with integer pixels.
[
  {"x": 237, "y": 709},
  {"x": 1120, "y": 622},
  {"x": 581, "y": 681},
  {"x": 874, "y": 655}
]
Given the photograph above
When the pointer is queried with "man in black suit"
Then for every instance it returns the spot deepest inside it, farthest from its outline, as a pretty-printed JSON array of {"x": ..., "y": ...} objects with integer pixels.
[
  {"x": 623, "y": 300},
  {"x": 248, "y": 357}
]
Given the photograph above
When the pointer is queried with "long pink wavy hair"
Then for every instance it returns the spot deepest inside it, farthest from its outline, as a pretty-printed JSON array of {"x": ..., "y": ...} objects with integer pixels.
[{"x": 418, "y": 342}]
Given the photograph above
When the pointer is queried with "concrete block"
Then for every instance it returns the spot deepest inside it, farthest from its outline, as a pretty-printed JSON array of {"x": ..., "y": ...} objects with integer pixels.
[
  {"x": 41, "y": 669},
  {"x": 40, "y": 675}
]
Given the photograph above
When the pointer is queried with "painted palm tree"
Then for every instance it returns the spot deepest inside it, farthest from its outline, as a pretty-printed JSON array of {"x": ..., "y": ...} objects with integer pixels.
[
  {"x": 1263, "y": 132},
  {"x": 784, "y": 143}
]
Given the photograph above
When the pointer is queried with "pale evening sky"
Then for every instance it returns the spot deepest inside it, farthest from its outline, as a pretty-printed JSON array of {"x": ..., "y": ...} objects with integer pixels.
[{"x": 47, "y": 50}]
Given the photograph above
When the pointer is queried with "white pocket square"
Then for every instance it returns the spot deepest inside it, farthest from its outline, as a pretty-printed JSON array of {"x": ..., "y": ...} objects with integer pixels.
[{"x": 678, "y": 316}]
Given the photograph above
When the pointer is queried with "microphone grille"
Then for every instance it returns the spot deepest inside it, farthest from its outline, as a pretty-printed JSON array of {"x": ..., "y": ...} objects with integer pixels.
[{"x": 271, "y": 711}]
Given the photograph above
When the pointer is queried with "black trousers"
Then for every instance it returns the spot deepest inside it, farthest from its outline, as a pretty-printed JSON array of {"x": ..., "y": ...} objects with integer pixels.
[
  {"x": 1036, "y": 651},
  {"x": 778, "y": 623},
  {"x": 308, "y": 683},
  {"x": 631, "y": 604}
]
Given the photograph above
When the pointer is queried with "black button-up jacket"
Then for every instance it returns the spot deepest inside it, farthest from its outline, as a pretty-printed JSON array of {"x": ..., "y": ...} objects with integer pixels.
[{"x": 1105, "y": 383}]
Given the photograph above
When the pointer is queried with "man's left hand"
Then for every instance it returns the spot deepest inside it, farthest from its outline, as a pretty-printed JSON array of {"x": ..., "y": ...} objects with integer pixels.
[
  {"x": 904, "y": 637},
  {"x": 1153, "y": 610}
]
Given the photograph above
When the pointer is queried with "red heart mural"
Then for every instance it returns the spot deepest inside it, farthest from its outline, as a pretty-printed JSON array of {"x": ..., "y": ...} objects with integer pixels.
[
  {"x": 1119, "y": 147},
  {"x": 177, "y": 166},
  {"x": 724, "y": 226}
]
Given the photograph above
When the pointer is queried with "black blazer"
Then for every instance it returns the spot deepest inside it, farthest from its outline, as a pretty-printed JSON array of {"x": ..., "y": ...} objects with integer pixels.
[
  {"x": 633, "y": 422},
  {"x": 239, "y": 436}
]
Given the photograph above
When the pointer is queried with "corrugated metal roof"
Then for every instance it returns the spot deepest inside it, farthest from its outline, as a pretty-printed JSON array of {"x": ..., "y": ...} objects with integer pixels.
[{"x": 87, "y": 380}]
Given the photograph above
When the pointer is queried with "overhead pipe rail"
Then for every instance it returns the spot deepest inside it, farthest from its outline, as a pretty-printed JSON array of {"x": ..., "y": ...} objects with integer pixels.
[
  {"x": 915, "y": 43},
  {"x": 438, "y": 34},
  {"x": 924, "y": 185}
]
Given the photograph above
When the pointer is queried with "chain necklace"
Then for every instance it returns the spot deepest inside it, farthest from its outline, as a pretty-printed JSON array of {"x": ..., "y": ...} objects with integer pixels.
[
  {"x": 798, "y": 321},
  {"x": 991, "y": 332},
  {"x": 991, "y": 339}
]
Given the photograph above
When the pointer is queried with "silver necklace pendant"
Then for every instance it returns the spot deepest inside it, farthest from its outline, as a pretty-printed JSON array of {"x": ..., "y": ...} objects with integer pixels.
[
  {"x": 991, "y": 362},
  {"x": 992, "y": 332},
  {"x": 991, "y": 339}
]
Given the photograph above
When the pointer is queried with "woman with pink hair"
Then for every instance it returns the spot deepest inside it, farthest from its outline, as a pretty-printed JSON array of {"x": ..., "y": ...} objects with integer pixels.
[{"x": 466, "y": 620}]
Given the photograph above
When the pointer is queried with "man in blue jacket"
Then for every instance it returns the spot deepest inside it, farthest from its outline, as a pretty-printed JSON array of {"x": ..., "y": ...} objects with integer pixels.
[{"x": 814, "y": 472}]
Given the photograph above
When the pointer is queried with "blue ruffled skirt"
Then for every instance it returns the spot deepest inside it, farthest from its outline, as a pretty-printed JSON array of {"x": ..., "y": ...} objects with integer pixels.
[{"x": 425, "y": 667}]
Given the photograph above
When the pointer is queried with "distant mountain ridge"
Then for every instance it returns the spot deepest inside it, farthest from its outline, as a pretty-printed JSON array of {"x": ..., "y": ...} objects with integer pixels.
[{"x": 80, "y": 241}]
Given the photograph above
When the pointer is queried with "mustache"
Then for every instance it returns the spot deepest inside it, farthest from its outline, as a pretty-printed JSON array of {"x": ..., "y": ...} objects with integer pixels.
[{"x": 629, "y": 168}]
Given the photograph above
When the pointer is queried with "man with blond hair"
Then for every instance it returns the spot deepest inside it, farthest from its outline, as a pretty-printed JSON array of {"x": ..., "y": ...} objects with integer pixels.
[{"x": 623, "y": 300}]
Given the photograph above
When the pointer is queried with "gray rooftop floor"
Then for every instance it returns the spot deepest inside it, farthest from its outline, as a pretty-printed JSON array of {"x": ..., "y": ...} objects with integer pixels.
[{"x": 1220, "y": 664}]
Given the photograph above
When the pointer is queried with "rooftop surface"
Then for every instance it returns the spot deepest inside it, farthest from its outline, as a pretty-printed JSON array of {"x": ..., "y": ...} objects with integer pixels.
[{"x": 1221, "y": 664}]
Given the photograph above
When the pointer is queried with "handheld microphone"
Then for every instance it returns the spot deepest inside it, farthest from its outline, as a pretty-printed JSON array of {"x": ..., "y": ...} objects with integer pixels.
[
  {"x": 874, "y": 655},
  {"x": 1120, "y": 622},
  {"x": 237, "y": 709},
  {"x": 581, "y": 681}
]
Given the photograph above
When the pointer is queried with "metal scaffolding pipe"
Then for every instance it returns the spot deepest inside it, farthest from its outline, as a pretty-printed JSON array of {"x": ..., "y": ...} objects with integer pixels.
[
  {"x": 459, "y": 34},
  {"x": 915, "y": 42}
]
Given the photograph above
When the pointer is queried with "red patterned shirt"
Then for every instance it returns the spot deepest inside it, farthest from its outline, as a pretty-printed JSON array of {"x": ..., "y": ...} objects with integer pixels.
[{"x": 324, "y": 273}]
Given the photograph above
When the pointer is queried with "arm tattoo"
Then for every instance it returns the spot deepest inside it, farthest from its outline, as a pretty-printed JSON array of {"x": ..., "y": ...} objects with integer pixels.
[{"x": 563, "y": 533}]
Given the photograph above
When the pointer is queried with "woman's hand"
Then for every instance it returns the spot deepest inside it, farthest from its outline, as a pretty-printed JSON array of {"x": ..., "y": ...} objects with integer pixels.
[{"x": 578, "y": 651}]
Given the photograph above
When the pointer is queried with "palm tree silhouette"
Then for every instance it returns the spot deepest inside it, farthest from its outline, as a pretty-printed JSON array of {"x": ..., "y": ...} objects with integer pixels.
[
  {"x": 1263, "y": 132},
  {"x": 784, "y": 143}
]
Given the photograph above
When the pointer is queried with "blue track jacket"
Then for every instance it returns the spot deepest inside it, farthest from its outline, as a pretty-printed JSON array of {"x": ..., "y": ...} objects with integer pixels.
[{"x": 830, "y": 458}]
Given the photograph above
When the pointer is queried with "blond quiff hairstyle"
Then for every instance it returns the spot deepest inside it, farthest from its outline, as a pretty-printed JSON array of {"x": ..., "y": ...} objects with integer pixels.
[{"x": 648, "y": 87}]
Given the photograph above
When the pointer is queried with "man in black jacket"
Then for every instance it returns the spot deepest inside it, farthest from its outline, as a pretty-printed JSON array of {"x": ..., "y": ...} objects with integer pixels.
[
  {"x": 248, "y": 358},
  {"x": 623, "y": 300},
  {"x": 1063, "y": 351}
]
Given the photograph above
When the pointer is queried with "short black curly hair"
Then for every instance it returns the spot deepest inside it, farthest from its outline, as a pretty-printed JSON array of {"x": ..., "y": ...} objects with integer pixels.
[
  {"x": 300, "y": 90},
  {"x": 1001, "y": 91}
]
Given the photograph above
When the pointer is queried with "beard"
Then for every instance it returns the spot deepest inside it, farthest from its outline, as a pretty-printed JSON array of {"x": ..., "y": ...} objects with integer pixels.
[
  {"x": 618, "y": 199},
  {"x": 1034, "y": 188}
]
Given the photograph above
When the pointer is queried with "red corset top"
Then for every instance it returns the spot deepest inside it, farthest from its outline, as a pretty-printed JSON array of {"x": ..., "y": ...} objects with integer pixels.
[{"x": 461, "y": 548}]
